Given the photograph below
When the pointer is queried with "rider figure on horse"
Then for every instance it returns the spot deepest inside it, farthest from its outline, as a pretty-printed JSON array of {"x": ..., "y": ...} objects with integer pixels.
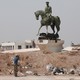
[{"x": 48, "y": 10}]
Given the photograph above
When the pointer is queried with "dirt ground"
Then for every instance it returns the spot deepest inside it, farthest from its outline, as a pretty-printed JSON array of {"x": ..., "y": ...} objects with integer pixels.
[
  {"x": 36, "y": 61},
  {"x": 40, "y": 78}
]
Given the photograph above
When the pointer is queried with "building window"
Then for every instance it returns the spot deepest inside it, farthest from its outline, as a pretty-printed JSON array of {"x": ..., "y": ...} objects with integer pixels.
[
  {"x": 26, "y": 46},
  {"x": 19, "y": 47},
  {"x": 30, "y": 46}
]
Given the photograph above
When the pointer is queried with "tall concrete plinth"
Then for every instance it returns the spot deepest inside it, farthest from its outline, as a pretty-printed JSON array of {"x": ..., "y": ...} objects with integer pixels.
[{"x": 51, "y": 45}]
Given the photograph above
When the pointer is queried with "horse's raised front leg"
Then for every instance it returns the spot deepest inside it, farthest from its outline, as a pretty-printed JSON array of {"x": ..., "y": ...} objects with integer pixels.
[{"x": 39, "y": 30}]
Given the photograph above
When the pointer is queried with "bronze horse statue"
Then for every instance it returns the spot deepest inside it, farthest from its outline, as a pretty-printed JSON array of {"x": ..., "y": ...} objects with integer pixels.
[{"x": 53, "y": 21}]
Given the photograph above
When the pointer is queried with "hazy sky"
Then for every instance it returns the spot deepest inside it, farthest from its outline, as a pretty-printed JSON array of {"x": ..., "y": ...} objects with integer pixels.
[{"x": 18, "y": 22}]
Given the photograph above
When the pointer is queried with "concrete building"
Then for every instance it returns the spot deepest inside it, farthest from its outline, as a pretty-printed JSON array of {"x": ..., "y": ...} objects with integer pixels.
[
  {"x": 73, "y": 47},
  {"x": 17, "y": 45},
  {"x": 25, "y": 45},
  {"x": 7, "y": 46}
]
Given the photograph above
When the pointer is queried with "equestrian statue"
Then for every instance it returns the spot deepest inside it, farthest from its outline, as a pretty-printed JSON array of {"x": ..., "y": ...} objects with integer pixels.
[{"x": 48, "y": 20}]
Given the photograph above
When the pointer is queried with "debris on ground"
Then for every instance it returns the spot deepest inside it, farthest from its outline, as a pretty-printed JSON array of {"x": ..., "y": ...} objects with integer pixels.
[{"x": 35, "y": 63}]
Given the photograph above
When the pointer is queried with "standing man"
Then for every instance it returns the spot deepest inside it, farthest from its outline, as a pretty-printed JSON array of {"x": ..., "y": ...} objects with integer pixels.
[
  {"x": 15, "y": 60},
  {"x": 48, "y": 10}
]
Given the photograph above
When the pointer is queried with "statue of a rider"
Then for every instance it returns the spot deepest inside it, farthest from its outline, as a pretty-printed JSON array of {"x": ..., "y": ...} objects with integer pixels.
[{"x": 48, "y": 10}]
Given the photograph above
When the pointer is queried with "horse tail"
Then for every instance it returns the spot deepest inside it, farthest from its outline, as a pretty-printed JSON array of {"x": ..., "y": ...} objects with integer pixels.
[{"x": 57, "y": 23}]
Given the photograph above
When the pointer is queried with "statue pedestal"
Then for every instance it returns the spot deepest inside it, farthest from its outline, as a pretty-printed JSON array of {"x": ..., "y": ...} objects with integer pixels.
[{"x": 51, "y": 45}]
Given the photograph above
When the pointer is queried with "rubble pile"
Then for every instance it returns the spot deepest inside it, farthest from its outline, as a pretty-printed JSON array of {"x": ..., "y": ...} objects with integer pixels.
[{"x": 41, "y": 63}]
